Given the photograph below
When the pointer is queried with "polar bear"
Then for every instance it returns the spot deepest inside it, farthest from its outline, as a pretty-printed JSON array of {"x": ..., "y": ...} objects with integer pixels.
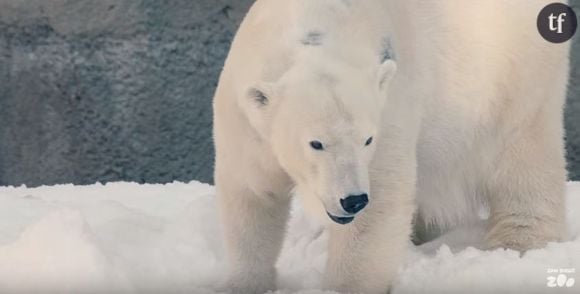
[{"x": 382, "y": 114}]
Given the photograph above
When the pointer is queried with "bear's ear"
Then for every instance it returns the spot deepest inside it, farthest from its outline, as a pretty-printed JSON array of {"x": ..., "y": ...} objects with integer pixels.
[
  {"x": 261, "y": 95},
  {"x": 257, "y": 104},
  {"x": 386, "y": 73}
]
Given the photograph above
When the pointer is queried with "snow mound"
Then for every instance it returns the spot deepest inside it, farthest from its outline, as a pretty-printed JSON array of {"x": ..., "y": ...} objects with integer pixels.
[{"x": 130, "y": 238}]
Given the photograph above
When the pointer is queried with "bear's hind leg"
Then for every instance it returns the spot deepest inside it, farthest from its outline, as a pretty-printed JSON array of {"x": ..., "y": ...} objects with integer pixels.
[{"x": 526, "y": 190}]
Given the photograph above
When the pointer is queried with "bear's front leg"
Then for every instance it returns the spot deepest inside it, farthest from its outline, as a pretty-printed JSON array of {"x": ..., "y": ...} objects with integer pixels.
[
  {"x": 364, "y": 256},
  {"x": 254, "y": 227}
]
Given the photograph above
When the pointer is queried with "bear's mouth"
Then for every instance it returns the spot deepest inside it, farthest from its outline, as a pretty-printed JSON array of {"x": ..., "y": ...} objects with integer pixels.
[{"x": 340, "y": 220}]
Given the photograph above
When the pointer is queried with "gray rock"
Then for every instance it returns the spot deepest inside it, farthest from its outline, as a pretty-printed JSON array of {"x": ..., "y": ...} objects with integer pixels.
[
  {"x": 572, "y": 110},
  {"x": 110, "y": 90}
]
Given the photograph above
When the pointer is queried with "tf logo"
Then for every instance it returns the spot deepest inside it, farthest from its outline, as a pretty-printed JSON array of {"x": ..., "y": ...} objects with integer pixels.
[{"x": 557, "y": 23}]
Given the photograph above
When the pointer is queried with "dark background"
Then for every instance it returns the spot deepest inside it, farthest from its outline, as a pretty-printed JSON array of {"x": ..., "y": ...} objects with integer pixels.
[{"x": 121, "y": 90}]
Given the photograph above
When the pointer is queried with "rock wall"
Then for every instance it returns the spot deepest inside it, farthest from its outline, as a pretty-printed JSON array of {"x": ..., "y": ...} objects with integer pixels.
[{"x": 110, "y": 90}]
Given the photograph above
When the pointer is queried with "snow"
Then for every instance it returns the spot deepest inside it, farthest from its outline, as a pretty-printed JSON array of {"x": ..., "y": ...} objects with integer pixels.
[{"x": 130, "y": 238}]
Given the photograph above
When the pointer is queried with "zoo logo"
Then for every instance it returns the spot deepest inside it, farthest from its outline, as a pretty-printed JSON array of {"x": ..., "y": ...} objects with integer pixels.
[{"x": 560, "y": 281}]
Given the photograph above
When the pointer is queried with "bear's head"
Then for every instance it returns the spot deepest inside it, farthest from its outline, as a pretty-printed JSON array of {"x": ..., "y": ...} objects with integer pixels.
[{"x": 322, "y": 123}]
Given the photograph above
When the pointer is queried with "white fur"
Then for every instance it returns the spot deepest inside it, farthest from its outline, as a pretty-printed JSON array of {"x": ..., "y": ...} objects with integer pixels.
[{"x": 471, "y": 119}]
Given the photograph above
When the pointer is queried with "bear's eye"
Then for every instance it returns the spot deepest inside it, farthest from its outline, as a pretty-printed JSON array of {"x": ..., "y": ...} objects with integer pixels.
[
  {"x": 316, "y": 145},
  {"x": 369, "y": 141}
]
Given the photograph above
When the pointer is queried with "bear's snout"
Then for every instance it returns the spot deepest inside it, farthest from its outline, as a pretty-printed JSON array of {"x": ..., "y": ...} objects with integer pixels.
[
  {"x": 354, "y": 203},
  {"x": 351, "y": 205},
  {"x": 339, "y": 219}
]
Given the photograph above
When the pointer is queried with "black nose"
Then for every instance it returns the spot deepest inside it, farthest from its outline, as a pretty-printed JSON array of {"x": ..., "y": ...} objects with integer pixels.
[{"x": 354, "y": 203}]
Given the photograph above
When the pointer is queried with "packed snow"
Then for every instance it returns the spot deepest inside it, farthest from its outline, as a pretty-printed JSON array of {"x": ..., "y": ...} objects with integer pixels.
[{"x": 130, "y": 238}]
